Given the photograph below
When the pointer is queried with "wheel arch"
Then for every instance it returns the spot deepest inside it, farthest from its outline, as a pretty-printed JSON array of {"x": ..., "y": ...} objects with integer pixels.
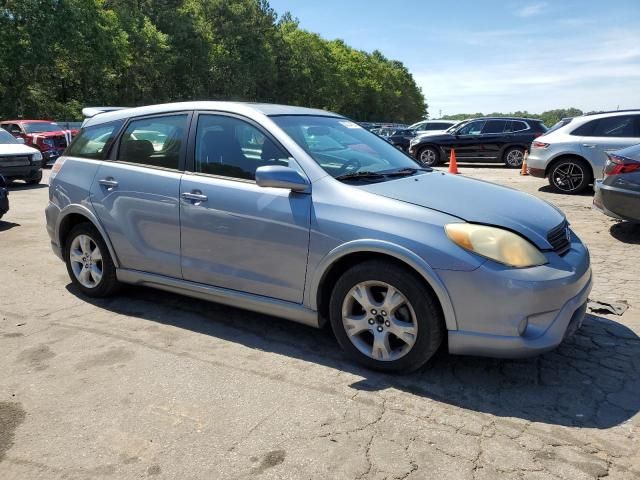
[
  {"x": 345, "y": 256},
  {"x": 74, "y": 215},
  {"x": 507, "y": 146},
  {"x": 564, "y": 156}
]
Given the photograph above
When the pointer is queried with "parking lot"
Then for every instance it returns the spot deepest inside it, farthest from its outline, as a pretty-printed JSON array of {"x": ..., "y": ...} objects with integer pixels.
[{"x": 150, "y": 384}]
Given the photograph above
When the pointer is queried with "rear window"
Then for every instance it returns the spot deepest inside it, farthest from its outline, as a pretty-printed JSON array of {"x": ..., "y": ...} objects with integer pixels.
[{"x": 94, "y": 142}]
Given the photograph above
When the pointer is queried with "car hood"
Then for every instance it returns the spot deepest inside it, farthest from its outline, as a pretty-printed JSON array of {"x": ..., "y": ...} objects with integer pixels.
[
  {"x": 15, "y": 149},
  {"x": 476, "y": 201}
]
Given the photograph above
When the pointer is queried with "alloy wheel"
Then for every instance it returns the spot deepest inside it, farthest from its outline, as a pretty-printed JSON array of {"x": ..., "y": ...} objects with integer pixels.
[
  {"x": 428, "y": 156},
  {"x": 567, "y": 177},
  {"x": 86, "y": 261},
  {"x": 379, "y": 321},
  {"x": 515, "y": 158}
]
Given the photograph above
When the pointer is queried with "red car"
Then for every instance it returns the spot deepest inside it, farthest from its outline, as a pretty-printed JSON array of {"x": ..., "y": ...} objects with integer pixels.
[{"x": 48, "y": 137}]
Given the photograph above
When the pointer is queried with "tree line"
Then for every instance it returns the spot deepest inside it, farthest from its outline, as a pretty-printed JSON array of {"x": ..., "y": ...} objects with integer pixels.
[
  {"x": 550, "y": 117},
  {"x": 58, "y": 56}
]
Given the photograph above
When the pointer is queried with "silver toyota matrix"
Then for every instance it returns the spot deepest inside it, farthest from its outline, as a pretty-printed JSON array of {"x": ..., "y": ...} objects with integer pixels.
[{"x": 305, "y": 215}]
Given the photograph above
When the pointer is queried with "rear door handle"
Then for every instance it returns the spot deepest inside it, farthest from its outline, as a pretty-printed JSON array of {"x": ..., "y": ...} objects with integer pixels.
[
  {"x": 588, "y": 145},
  {"x": 196, "y": 196},
  {"x": 108, "y": 182}
]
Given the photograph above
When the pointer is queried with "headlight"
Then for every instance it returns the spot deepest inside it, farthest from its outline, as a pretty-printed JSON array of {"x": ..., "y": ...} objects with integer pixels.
[
  {"x": 495, "y": 243},
  {"x": 37, "y": 157}
]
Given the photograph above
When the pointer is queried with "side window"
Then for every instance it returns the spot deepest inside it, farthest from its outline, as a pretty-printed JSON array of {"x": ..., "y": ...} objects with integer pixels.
[
  {"x": 585, "y": 130},
  {"x": 618, "y": 126},
  {"x": 231, "y": 147},
  {"x": 472, "y": 128},
  {"x": 494, "y": 126},
  {"x": 156, "y": 141},
  {"x": 516, "y": 126},
  {"x": 94, "y": 142}
]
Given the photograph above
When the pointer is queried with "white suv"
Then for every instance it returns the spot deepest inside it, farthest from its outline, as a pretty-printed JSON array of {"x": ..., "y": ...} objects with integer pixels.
[{"x": 573, "y": 152}]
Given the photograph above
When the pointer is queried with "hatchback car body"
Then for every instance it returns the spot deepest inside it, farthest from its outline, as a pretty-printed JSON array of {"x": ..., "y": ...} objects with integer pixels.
[
  {"x": 618, "y": 193},
  {"x": 48, "y": 137},
  {"x": 18, "y": 161},
  {"x": 574, "y": 152},
  {"x": 479, "y": 140},
  {"x": 303, "y": 214}
]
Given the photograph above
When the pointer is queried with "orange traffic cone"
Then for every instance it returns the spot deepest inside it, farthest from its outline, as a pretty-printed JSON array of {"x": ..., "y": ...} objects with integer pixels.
[
  {"x": 453, "y": 165},
  {"x": 525, "y": 169}
]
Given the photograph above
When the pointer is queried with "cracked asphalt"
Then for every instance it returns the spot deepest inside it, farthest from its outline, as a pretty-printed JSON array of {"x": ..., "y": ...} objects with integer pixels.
[{"x": 150, "y": 384}]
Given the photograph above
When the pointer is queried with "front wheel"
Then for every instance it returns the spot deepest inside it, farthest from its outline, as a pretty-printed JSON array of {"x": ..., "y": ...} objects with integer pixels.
[
  {"x": 89, "y": 263},
  {"x": 570, "y": 176},
  {"x": 385, "y": 318},
  {"x": 429, "y": 156}
]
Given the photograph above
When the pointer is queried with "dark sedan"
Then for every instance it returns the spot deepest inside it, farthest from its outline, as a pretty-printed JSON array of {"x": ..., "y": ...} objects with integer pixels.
[
  {"x": 618, "y": 193},
  {"x": 4, "y": 197},
  {"x": 501, "y": 140}
]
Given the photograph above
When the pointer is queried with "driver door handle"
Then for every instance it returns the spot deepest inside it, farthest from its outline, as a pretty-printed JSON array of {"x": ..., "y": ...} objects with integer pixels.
[
  {"x": 196, "y": 196},
  {"x": 588, "y": 145},
  {"x": 108, "y": 182}
]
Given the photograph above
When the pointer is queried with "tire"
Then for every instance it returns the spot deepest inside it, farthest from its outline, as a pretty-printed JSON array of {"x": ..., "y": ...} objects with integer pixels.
[
  {"x": 89, "y": 282},
  {"x": 416, "y": 316},
  {"x": 35, "y": 180},
  {"x": 513, "y": 157},
  {"x": 428, "y": 156},
  {"x": 570, "y": 176}
]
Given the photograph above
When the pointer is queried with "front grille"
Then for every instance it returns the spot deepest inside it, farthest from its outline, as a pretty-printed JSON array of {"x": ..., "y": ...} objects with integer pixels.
[
  {"x": 559, "y": 238},
  {"x": 15, "y": 161}
]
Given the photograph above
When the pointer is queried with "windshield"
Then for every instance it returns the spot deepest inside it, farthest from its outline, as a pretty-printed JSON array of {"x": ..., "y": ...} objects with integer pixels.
[
  {"x": 41, "y": 127},
  {"x": 7, "y": 138},
  {"x": 341, "y": 146}
]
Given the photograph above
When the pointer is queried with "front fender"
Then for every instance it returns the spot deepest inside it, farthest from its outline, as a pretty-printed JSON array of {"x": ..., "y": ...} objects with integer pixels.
[
  {"x": 387, "y": 248},
  {"x": 91, "y": 217}
]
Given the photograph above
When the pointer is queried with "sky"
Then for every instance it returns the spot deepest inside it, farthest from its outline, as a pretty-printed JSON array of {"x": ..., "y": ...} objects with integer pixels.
[{"x": 495, "y": 56}]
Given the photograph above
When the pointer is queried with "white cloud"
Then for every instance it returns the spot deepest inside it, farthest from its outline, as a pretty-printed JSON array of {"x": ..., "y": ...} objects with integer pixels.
[{"x": 531, "y": 9}]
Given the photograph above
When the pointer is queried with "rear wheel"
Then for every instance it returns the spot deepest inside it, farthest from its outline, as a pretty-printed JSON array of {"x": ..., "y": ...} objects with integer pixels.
[
  {"x": 570, "y": 175},
  {"x": 89, "y": 263},
  {"x": 514, "y": 157},
  {"x": 429, "y": 156},
  {"x": 385, "y": 318}
]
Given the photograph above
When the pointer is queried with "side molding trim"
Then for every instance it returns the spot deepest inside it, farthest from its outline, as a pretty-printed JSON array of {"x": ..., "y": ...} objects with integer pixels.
[{"x": 247, "y": 301}]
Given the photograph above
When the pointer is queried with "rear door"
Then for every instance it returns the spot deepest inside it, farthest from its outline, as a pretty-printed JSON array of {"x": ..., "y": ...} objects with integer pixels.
[
  {"x": 607, "y": 135},
  {"x": 492, "y": 139},
  {"x": 135, "y": 194}
]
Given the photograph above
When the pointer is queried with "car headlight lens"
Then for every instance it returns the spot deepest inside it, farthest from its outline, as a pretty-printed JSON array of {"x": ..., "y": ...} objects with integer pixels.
[
  {"x": 497, "y": 244},
  {"x": 37, "y": 157}
]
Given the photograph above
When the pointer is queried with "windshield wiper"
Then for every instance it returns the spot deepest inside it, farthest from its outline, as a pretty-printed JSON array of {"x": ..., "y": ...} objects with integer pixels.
[
  {"x": 360, "y": 175},
  {"x": 405, "y": 172}
]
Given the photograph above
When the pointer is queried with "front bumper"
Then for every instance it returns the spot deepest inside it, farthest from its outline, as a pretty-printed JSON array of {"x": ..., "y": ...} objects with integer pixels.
[
  {"x": 26, "y": 171},
  {"x": 516, "y": 313}
]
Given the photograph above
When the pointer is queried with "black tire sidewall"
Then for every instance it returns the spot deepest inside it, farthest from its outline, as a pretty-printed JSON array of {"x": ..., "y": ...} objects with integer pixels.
[
  {"x": 426, "y": 307},
  {"x": 586, "y": 179},
  {"x": 435, "y": 162},
  {"x": 109, "y": 283}
]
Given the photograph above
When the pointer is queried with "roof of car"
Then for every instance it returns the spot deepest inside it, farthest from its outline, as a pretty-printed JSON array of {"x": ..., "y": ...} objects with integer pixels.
[
  {"x": 508, "y": 118},
  {"x": 231, "y": 107}
]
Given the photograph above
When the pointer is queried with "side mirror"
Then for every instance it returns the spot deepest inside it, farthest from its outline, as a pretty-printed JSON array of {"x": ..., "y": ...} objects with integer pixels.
[
  {"x": 20, "y": 140},
  {"x": 276, "y": 176}
]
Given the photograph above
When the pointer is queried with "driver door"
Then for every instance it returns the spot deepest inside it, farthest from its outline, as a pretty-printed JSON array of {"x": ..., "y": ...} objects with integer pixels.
[
  {"x": 468, "y": 140},
  {"x": 236, "y": 234}
]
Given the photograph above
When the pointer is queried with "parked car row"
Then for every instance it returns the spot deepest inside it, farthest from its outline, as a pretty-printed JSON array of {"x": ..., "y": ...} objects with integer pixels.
[
  {"x": 19, "y": 161},
  {"x": 46, "y": 136}
]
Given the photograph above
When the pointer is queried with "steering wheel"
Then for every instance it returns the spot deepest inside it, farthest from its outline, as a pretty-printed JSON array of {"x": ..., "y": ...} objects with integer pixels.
[{"x": 352, "y": 164}]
